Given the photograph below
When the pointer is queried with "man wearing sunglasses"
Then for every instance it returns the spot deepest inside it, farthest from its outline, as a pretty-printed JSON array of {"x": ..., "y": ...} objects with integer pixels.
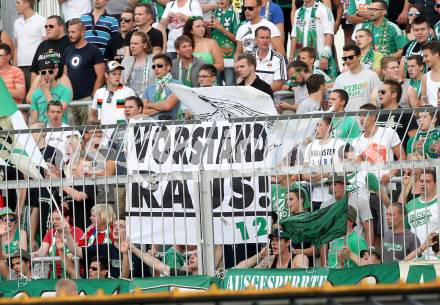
[
  {"x": 116, "y": 45},
  {"x": 246, "y": 32},
  {"x": 358, "y": 82},
  {"x": 422, "y": 32},
  {"x": 108, "y": 102},
  {"x": 53, "y": 47},
  {"x": 48, "y": 90}
]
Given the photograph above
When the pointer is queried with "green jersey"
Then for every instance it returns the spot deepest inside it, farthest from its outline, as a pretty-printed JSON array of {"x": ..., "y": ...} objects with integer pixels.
[
  {"x": 355, "y": 243},
  {"x": 431, "y": 140},
  {"x": 416, "y": 84},
  {"x": 387, "y": 37},
  {"x": 230, "y": 20},
  {"x": 437, "y": 30},
  {"x": 422, "y": 217},
  {"x": 173, "y": 258},
  {"x": 345, "y": 128},
  {"x": 279, "y": 198}
]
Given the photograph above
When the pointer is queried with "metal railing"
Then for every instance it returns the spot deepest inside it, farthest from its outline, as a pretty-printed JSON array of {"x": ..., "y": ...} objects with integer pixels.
[{"x": 207, "y": 194}]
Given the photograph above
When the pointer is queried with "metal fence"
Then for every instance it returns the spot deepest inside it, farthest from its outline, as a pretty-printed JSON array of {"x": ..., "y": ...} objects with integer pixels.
[{"x": 199, "y": 197}]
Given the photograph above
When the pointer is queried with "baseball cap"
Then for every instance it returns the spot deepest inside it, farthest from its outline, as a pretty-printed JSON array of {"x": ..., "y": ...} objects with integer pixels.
[
  {"x": 21, "y": 253},
  {"x": 112, "y": 66},
  {"x": 278, "y": 233},
  {"x": 336, "y": 178},
  {"x": 6, "y": 211},
  {"x": 351, "y": 214},
  {"x": 46, "y": 64}
]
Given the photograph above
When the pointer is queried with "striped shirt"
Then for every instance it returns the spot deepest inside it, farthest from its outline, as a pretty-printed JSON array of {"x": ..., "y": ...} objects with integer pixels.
[
  {"x": 111, "y": 110},
  {"x": 320, "y": 72},
  {"x": 13, "y": 78},
  {"x": 272, "y": 67},
  {"x": 100, "y": 32}
]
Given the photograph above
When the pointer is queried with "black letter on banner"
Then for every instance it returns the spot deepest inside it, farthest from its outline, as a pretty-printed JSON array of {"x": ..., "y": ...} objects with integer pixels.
[
  {"x": 139, "y": 193},
  {"x": 239, "y": 143},
  {"x": 242, "y": 188},
  {"x": 225, "y": 147},
  {"x": 218, "y": 192},
  {"x": 264, "y": 188},
  {"x": 209, "y": 141},
  {"x": 196, "y": 145},
  {"x": 183, "y": 197},
  {"x": 161, "y": 133},
  {"x": 260, "y": 133},
  {"x": 141, "y": 145},
  {"x": 181, "y": 137}
]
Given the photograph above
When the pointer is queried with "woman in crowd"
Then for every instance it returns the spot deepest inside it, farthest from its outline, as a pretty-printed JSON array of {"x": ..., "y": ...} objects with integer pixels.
[
  {"x": 48, "y": 246},
  {"x": 204, "y": 48},
  {"x": 137, "y": 72},
  {"x": 101, "y": 229},
  {"x": 12, "y": 238},
  {"x": 413, "y": 12}
]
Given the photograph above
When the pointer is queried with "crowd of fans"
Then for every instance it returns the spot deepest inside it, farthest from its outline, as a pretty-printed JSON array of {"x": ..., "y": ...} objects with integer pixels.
[{"x": 122, "y": 62}]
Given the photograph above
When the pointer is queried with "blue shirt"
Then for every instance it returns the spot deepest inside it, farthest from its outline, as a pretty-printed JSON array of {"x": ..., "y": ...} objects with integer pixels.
[
  {"x": 275, "y": 13},
  {"x": 165, "y": 115},
  {"x": 100, "y": 32}
]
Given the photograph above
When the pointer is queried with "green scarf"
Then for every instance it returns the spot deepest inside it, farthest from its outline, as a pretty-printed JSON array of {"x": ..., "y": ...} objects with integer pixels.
[
  {"x": 384, "y": 43},
  {"x": 368, "y": 60},
  {"x": 416, "y": 84},
  {"x": 300, "y": 28},
  {"x": 160, "y": 94}
]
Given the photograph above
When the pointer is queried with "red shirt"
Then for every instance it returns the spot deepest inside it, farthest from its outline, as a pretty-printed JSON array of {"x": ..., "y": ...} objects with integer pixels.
[
  {"x": 77, "y": 233},
  {"x": 84, "y": 241}
]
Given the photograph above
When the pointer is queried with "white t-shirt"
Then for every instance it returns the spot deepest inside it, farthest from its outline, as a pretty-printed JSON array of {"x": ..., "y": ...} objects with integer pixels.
[
  {"x": 324, "y": 24},
  {"x": 378, "y": 148},
  {"x": 75, "y": 8},
  {"x": 358, "y": 86},
  {"x": 318, "y": 154},
  {"x": 29, "y": 34},
  {"x": 272, "y": 67},
  {"x": 58, "y": 139},
  {"x": 246, "y": 34},
  {"x": 190, "y": 8},
  {"x": 112, "y": 112}
]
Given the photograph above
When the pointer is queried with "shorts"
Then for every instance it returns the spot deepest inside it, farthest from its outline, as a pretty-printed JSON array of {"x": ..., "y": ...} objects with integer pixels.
[
  {"x": 346, "y": 25},
  {"x": 361, "y": 202},
  {"x": 375, "y": 206}
]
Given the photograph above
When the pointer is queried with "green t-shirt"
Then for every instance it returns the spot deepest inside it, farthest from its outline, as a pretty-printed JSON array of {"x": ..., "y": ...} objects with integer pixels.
[
  {"x": 39, "y": 103},
  {"x": 354, "y": 5},
  {"x": 158, "y": 8},
  {"x": 355, "y": 243},
  {"x": 230, "y": 21},
  {"x": 174, "y": 259},
  {"x": 345, "y": 128},
  {"x": 396, "y": 38},
  {"x": 364, "y": 180},
  {"x": 431, "y": 138},
  {"x": 416, "y": 84}
]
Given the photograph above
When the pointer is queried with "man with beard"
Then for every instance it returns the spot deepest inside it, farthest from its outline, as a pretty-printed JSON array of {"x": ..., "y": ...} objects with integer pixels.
[{"x": 84, "y": 65}]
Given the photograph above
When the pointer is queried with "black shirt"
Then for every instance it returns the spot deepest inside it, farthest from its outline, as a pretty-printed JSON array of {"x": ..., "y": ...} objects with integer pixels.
[
  {"x": 155, "y": 36},
  {"x": 81, "y": 68},
  {"x": 260, "y": 85},
  {"x": 53, "y": 49},
  {"x": 115, "y": 48},
  {"x": 80, "y": 210},
  {"x": 402, "y": 123},
  {"x": 114, "y": 257},
  {"x": 395, "y": 7}
]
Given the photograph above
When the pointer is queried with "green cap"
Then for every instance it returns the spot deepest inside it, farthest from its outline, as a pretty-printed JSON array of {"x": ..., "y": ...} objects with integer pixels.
[
  {"x": 278, "y": 233},
  {"x": 304, "y": 188},
  {"x": 6, "y": 211}
]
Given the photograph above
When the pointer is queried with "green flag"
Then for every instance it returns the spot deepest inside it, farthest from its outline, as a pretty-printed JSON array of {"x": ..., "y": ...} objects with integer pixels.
[
  {"x": 9, "y": 106},
  {"x": 320, "y": 226}
]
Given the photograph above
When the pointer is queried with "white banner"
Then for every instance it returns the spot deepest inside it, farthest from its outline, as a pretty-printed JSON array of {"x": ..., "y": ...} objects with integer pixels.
[{"x": 164, "y": 212}]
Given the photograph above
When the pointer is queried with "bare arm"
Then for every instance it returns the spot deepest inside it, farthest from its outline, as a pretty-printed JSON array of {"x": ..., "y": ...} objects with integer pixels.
[
  {"x": 93, "y": 115},
  {"x": 251, "y": 262},
  {"x": 168, "y": 104},
  {"x": 239, "y": 50},
  {"x": 218, "y": 56},
  {"x": 151, "y": 261},
  {"x": 276, "y": 85},
  {"x": 99, "y": 82},
  {"x": 339, "y": 12},
  {"x": 34, "y": 116},
  {"x": 398, "y": 54},
  {"x": 43, "y": 251},
  {"x": 292, "y": 48},
  {"x": 76, "y": 195},
  {"x": 277, "y": 44}
]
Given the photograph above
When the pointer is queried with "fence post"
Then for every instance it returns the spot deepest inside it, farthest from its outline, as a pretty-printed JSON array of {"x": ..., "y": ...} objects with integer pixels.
[{"x": 206, "y": 224}]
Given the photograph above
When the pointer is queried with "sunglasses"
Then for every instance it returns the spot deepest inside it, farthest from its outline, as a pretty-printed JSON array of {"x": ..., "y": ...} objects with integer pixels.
[
  {"x": 126, "y": 19},
  {"x": 437, "y": 5},
  {"x": 49, "y": 26},
  {"x": 382, "y": 92},
  {"x": 345, "y": 58},
  {"x": 44, "y": 72},
  {"x": 109, "y": 97},
  {"x": 248, "y": 8},
  {"x": 159, "y": 66},
  {"x": 93, "y": 268},
  {"x": 11, "y": 219},
  {"x": 411, "y": 14}
]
